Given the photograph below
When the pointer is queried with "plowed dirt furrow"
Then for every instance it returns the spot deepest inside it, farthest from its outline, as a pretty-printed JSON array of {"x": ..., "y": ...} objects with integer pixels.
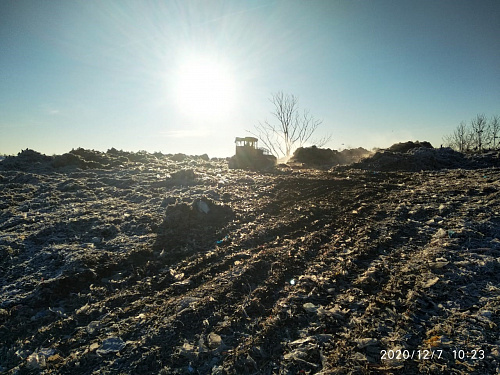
[{"x": 304, "y": 272}]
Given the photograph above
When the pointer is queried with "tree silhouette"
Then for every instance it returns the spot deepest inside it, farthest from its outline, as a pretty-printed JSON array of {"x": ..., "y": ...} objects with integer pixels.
[
  {"x": 291, "y": 128},
  {"x": 479, "y": 135}
]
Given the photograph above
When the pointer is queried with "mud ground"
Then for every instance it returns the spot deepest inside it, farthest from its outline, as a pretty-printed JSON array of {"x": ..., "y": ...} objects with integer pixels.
[{"x": 167, "y": 265}]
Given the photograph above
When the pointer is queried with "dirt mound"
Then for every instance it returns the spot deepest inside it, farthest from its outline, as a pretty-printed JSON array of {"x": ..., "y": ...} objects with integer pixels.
[
  {"x": 315, "y": 156},
  {"x": 414, "y": 160},
  {"x": 190, "y": 227},
  {"x": 100, "y": 158},
  {"x": 26, "y": 160},
  {"x": 74, "y": 160},
  {"x": 353, "y": 155},
  {"x": 425, "y": 159},
  {"x": 321, "y": 157},
  {"x": 80, "y": 158},
  {"x": 110, "y": 159},
  {"x": 421, "y": 156},
  {"x": 407, "y": 146},
  {"x": 293, "y": 272},
  {"x": 183, "y": 177}
]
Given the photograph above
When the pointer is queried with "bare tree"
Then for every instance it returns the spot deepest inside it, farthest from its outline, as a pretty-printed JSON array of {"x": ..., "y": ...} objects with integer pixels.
[
  {"x": 479, "y": 127},
  {"x": 479, "y": 135},
  {"x": 292, "y": 128},
  {"x": 460, "y": 139},
  {"x": 494, "y": 132},
  {"x": 463, "y": 137}
]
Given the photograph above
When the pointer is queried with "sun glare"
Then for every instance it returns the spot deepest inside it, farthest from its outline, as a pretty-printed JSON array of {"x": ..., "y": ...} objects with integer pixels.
[{"x": 204, "y": 88}]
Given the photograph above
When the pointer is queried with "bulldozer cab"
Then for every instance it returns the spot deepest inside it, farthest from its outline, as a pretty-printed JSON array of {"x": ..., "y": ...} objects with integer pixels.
[
  {"x": 250, "y": 142},
  {"x": 250, "y": 156}
]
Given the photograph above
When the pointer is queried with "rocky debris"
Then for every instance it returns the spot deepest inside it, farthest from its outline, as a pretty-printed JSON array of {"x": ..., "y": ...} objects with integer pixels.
[{"x": 345, "y": 271}]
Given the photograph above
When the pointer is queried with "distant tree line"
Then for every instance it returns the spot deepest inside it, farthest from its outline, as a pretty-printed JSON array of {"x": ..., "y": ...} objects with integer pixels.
[{"x": 478, "y": 135}]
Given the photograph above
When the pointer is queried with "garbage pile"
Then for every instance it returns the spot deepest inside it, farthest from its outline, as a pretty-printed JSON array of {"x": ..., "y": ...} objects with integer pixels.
[
  {"x": 189, "y": 227},
  {"x": 26, "y": 159},
  {"x": 403, "y": 147},
  {"x": 184, "y": 266},
  {"x": 321, "y": 157},
  {"x": 30, "y": 160},
  {"x": 421, "y": 156}
]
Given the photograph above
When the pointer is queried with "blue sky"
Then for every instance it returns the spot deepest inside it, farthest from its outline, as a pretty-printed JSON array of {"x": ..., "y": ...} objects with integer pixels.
[{"x": 102, "y": 74}]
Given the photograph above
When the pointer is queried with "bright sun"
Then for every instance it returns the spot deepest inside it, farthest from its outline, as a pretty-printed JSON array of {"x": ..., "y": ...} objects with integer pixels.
[{"x": 204, "y": 88}]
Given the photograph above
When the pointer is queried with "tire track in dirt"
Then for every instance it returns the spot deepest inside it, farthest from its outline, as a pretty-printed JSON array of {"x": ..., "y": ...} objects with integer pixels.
[
  {"x": 316, "y": 275},
  {"x": 269, "y": 335},
  {"x": 242, "y": 279},
  {"x": 256, "y": 278}
]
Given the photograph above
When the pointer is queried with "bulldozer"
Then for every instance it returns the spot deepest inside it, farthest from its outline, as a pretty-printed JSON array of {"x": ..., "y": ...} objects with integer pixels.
[{"x": 250, "y": 156}]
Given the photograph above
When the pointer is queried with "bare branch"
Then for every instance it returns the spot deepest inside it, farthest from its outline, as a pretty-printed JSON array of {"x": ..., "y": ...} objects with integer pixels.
[
  {"x": 292, "y": 128},
  {"x": 494, "y": 132},
  {"x": 320, "y": 142},
  {"x": 479, "y": 131}
]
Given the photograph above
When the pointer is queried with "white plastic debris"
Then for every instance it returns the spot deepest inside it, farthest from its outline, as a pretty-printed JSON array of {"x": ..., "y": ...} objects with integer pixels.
[
  {"x": 430, "y": 282},
  {"x": 203, "y": 207},
  {"x": 93, "y": 327},
  {"x": 111, "y": 345},
  {"x": 38, "y": 360},
  {"x": 310, "y": 308},
  {"x": 441, "y": 233}
]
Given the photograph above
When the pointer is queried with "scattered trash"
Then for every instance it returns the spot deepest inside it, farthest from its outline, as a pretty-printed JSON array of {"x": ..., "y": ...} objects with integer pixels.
[
  {"x": 430, "y": 282},
  {"x": 38, "y": 360},
  {"x": 441, "y": 233},
  {"x": 417, "y": 157},
  {"x": 365, "y": 342},
  {"x": 58, "y": 311},
  {"x": 202, "y": 207},
  {"x": 111, "y": 345},
  {"x": 113, "y": 261},
  {"x": 310, "y": 308},
  {"x": 223, "y": 241},
  {"x": 187, "y": 350},
  {"x": 214, "y": 340},
  {"x": 93, "y": 327}
]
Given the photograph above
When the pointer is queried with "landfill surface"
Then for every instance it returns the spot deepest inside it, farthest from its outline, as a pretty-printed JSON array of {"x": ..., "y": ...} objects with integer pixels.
[{"x": 139, "y": 263}]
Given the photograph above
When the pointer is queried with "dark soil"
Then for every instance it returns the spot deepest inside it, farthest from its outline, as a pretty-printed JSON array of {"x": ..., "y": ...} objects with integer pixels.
[{"x": 161, "y": 264}]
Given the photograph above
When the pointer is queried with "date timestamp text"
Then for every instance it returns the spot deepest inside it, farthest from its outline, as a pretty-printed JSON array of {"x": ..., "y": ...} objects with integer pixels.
[{"x": 424, "y": 354}]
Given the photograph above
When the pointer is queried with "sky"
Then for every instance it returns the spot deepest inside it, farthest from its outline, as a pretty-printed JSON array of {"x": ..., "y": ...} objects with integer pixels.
[{"x": 190, "y": 76}]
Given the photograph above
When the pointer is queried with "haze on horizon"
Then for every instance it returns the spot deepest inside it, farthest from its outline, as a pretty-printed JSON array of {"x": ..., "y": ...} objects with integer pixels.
[{"x": 189, "y": 76}]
